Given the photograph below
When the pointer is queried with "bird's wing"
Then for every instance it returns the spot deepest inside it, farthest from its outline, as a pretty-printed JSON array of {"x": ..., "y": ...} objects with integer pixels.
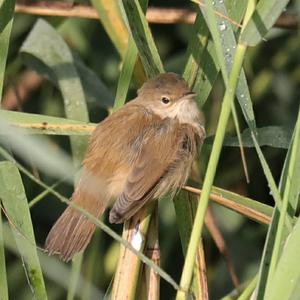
[{"x": 157, "y": 152}]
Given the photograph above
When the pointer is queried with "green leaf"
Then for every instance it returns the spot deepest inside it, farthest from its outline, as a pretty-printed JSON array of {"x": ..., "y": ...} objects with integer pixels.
[
  {"x": 143, "y": 38},
  {"x": 218, "y": 34},
  {"x": 3, "y": 278},
  {"x": 43, "y": 124},
  {"x": 47, "y": 46},
  {"x": 196, "y": 46},
  {"x": 127, "y": 68},
  {"x": 110, "y": 17},
  {"x": 223, "y": 35},
  {"x": 74, "y": 276},
  {"x": 207, "y": 73},
  {"x": 273, "y": 136},
  {"x": 208, "y": 67},
  {"x": 95, "y": 91},
  {"x": 54, "y": 269},
  {"x": 56, "y": 163},
  {"x": 277, "y": 234},
  {"x": 287, "y": 275},
  {"x": 7, "y": 8},
  {"x": 126, "y": 74},
  {"x": 245, "y": 201},
  {"x": 185, "y": 206},
  {"x": 15, "y": 203},
  {"x": 6, "y": 19},
  {"x": 263, "y": 18}
]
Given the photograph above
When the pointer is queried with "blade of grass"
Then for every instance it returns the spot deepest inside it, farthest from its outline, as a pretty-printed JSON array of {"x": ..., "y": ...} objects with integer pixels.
[
  {"x": 15, "y": 203},
  {"x": 95, "y": 91},
  {"x": 291, "y": 192},
  {"x": 128, "y": 68},
  {"x": 196, "y": 47},
  {"x": 53, "y": 269},
  {"x": 47, "y": 46},
  {"x": 286, "y": 277},
  {"x": 248, "y": 291},
  {"x": 94, "y": 258},
  {"x": 126, "y": 74},
  {"x": 143, "y": 38},
  {"x": 228, "y": 46},
  {"x": 273, "y": 136},
  {"x": 110, "y": 15},
  {"x": 74, "y": 276},
  {"x": 207, "y": 74},
  {"x": 56, "y": 163},
  {"x": 3, "y": 278},
  {"x": 6, "y": 16},
  {"x": 7, "y": 8},
  {"x": 43, "y": 194},
  {"x": 250, "y": 208},
  {"x": 42, "y": 124},
  {"x": 208, "y": 64},
  {"x": 262, "y": 19},
  {"x": 185, "y": 206},
  {"x": 290, "y": 182}
]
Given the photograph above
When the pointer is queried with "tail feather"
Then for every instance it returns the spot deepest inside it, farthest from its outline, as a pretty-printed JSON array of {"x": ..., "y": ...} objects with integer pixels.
[{"x": 73, "y": 231}]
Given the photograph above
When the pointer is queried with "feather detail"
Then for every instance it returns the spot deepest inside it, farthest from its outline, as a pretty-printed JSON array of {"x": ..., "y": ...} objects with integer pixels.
[
  {"x": 73, "y": 231},
  {"x": 163, "y": 165}
]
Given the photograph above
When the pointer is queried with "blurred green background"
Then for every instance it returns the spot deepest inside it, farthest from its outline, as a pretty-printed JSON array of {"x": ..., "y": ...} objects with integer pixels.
[{"x": 273, "y": 74}]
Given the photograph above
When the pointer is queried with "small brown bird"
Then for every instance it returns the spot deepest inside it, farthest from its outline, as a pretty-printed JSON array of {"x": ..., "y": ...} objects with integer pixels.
[{"x": 139, "y": 153}]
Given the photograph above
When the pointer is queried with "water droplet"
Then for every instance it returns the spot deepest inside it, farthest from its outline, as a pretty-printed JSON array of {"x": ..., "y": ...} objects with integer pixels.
[
  {"x": 233, "y": 47},
  {"x": 242, "y": 96},
  {"x": 227, "y": 50},
  {"x": 222, "y": 26},
  {"x": 213, "y": 3},
  {"x": 221, "y": 1},
  {"x": 227, "y": 56}
]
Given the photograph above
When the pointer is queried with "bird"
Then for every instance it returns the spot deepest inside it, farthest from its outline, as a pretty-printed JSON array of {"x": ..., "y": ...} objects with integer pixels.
[{"x": 137, "y": 154}]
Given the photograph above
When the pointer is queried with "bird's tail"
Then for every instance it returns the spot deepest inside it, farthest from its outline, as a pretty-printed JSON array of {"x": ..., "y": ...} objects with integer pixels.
[{"x": 73, "y": 231}]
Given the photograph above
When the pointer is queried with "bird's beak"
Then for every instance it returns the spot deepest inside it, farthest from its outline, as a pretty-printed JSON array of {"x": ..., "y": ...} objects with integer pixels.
[{"x": 188, "y": 96}]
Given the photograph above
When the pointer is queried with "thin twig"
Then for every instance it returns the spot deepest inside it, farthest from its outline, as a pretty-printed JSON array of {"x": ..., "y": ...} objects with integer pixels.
[
  {"x": 219, "y": 240},
  {"x": 154, "y": 14},
  {"x": 17, "y": 93}
]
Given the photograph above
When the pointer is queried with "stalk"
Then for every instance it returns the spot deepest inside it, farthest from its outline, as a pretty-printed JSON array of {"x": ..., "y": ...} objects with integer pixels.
[{"x": 211, "y": 171}]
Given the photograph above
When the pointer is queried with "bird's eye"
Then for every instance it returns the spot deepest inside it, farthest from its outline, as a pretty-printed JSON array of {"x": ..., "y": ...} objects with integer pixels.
[{"x": 165, "y": 100}]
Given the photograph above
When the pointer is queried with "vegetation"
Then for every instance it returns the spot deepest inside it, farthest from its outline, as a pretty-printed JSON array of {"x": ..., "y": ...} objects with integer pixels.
[{"x": 233, "y": 232}]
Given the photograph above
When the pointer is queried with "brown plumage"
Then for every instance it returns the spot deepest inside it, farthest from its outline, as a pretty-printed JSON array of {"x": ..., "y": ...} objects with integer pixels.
[{"x": 139, "y": 153}]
